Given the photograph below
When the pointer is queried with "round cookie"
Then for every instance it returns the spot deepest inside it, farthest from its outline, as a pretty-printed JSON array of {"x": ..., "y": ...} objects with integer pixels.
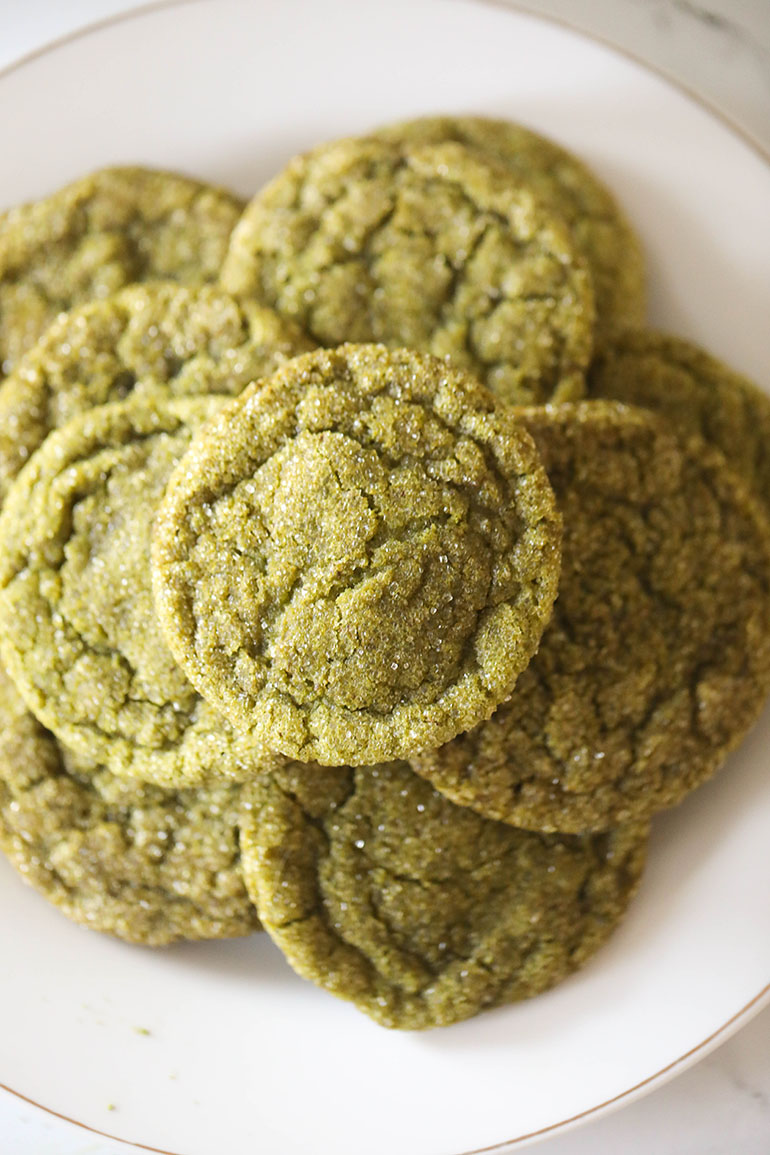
[
  {"x": 181, "y": 339},
  {"x": 421, "y": 912},
  {"x": 145, "y": 864},
  {"x": 695, "y": 393},
  {"x": 358, "y": 556},
  {"x": 562, "y": 182},
  {"x": 426, "y": 247},
  {"x": 77, "y": 625},
  {"x": 657, "y": 658},
  {"x": 95, "y": 235}
]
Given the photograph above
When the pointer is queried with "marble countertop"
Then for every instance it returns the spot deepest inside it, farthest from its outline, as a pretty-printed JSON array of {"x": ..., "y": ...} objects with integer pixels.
[{"x": 720, "y": 51}]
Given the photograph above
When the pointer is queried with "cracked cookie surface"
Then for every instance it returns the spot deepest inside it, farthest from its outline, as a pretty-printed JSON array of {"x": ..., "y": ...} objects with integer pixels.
[
  {"x": 598, "y": 226},
  {"x": 657, "y": 658},
  {"x": 92, "y": 237},
  {"x": 421, "y": 912},
  {"x": 145, "y": 864},
  {"x": 358, "y": 556},
  {"x": 79, "y": 634},
  {"x": 695, "y": 392},
  {"x": 423, "y": 246},
  {"x": 182, "y": 340}
]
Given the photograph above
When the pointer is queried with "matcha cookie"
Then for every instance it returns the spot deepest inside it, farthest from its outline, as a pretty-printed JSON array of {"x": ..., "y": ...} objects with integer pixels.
[
  {"x": 562, "y": 182},
  {"x": 695, "y": 393},
  {"x": 657, "y": 658},
  {"x": 358, "y": 557},
  {"x": 77, "y": 626},
  {"x": 97, "y": 234},
  {"x": 180, "y": 339},
  {"x": 426, "y": 247},
  {"x": 421, "y": 912},
  {"x": 148, "y": 865}
]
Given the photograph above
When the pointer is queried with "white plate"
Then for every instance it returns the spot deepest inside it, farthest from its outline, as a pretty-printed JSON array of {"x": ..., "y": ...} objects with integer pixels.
[{"x": 241, "y": 1055}]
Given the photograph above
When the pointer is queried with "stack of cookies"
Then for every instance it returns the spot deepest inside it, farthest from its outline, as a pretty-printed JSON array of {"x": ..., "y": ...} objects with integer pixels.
[{"x": 380, "y": 593}]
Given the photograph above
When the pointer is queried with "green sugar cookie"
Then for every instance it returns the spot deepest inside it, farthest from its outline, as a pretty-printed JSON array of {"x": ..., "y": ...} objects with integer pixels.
[
  {"x": 421, "y": 912},
  {"x": 77, "y": 627},
  {"x": 657, "y": 658},
  {"x": 95, "y": 235},
  {"x": 695, "y": 393},
  {"x": 148, "y": 865},
  {"x": 358, "y": 556},
  {"x": 426, "y": 247},
  {"x": 183, "y": 340},
  {"x": 562, "y": 182}
]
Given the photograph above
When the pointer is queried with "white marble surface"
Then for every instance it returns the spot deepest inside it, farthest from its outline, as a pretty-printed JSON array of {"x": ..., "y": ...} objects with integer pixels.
[{"x": 720, "y": 51}]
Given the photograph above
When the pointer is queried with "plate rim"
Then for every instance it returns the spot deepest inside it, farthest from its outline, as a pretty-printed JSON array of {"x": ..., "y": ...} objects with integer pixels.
[
  {"x": 759, "y": 1001},
  {"x": 517, "y": 7},
  {"x": 722, "y": 1033}
]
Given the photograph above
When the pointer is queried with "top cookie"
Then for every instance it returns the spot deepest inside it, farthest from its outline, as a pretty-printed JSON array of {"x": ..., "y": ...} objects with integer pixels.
[
  {"x": 695, "y": 392},
  {"x": 97, "y": 234},
  {"x": 358, "y": 557},
  {"x": 177, "y": 339},
  {"x": 424, "y": 246},
  {"x": 596, "y": 222},
  {"x": 657, "y": 658}
]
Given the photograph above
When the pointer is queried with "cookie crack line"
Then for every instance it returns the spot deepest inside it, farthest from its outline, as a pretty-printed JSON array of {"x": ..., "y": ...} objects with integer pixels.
[
  {"x": 339, "y": 934},
  {"x": 11, "y": 567},
  {"x": 414, "y": 956},
  {"x": 226, "y": 489}
]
